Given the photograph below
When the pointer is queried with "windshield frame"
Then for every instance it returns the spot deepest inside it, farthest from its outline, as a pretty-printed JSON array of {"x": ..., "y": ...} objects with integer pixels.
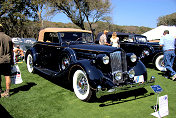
[
  {"x": 78, "y": 37},
  {"x": 140, "y": 36}
]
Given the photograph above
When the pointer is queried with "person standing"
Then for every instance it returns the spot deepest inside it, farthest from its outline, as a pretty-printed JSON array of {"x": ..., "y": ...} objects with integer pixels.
[
  {"x": 168, "y": 44},
  {"x": 103, "y": 38},
  {"x": 115, "y": 40},
  {"x": 6, "y": 60}
]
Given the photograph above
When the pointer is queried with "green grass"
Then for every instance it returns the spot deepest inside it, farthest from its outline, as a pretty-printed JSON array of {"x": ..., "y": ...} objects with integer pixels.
[{"x": 37, "y": 97}]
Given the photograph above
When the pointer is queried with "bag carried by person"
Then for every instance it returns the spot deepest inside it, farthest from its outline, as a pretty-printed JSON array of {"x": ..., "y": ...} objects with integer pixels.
[{"x": 16, "y": 75}]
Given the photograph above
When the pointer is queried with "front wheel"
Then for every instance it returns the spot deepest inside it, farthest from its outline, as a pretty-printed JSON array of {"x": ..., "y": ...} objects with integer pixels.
[
  {"x": 81, "y": 86},
  {"x": 159, "y": 63}
]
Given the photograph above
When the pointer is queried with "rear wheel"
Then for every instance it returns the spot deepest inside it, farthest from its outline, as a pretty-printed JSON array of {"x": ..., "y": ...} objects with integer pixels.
[
  {"x": 81, "y": 86},
  {"x": 30, "y": 65},
  {"x": 159, "y": 63}
]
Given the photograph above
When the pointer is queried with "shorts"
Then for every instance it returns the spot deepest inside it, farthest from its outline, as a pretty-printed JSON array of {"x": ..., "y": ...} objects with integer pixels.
[{"x": 5, "y": 69}]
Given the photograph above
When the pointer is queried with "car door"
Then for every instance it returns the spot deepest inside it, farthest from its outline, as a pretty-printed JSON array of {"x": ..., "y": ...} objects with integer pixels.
[
  {"x": 52, "y": 51},
  {"x": 130, "y": 45}
]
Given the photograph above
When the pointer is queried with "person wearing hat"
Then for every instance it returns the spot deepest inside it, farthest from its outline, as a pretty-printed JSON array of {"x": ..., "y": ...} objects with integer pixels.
[
  {"x": 6, "y": 60},
  {"x": 103, "y": 38},
  {"x": 168, "y": 44}
]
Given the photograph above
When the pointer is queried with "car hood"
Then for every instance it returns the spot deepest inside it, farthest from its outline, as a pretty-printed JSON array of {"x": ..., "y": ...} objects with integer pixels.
[{"x": 94, "y": 48}]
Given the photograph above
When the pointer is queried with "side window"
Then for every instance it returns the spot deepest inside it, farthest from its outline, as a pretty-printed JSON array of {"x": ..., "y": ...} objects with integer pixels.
[{"x": 51, "y": 37}]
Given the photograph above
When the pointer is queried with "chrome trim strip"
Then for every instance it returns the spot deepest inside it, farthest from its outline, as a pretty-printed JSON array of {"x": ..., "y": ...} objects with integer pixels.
[{"x": 115, "y": 90}]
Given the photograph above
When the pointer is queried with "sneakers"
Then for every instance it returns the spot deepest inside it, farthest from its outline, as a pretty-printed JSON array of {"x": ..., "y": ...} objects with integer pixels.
[
  {"x": 5, "y": 94},
  {"x": 174, "y": 77}
]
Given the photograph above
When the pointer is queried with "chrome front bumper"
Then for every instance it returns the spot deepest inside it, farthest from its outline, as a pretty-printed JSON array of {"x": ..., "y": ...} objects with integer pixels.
[{"x": 119, "y": 89}]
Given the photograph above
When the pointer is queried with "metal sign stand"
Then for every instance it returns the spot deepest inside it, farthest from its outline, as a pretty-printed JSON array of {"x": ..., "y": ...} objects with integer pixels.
[{"x": 157, "y": 89}]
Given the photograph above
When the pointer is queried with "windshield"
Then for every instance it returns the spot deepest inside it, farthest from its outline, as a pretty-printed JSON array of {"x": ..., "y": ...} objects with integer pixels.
[
  {"x": 76, "y": 36},
  {"x": 141, "y": 38}
]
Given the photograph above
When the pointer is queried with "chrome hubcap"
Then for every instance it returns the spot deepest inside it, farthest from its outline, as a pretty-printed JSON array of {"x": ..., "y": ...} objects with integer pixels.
[
  {"x": 161, "y": 63},
  {"x": 82, "y": 84}
]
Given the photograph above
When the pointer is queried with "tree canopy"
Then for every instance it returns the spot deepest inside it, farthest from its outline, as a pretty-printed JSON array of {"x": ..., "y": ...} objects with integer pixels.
[
  {"x": 169, "y": 20},
  {"x": 23, "y": 18}
]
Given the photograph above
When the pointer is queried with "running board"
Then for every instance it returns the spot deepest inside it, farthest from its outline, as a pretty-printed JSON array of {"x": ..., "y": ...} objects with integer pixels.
[{"x": 46, "y": 71}]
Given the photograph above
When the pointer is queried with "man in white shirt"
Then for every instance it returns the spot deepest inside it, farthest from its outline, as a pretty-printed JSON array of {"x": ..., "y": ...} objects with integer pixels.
[
  {"x": 168, "y": 44},
  {"x": 103, "y": 38}
]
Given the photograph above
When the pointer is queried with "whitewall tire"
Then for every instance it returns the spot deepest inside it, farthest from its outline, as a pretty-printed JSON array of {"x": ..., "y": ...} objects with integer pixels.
[
  {"x": 81, "y": 86},
  {"x": 159, "y": 63},
  {"x": 30, "y": 66}
]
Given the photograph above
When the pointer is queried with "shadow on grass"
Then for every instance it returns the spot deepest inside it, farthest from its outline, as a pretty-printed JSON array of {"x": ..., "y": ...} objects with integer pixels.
[
  {"x": 118, "y": 98},
  {"x": 4, "y": 112},
  {"x": 62, "y": 82},
  {"x": 23, "y": 88}
]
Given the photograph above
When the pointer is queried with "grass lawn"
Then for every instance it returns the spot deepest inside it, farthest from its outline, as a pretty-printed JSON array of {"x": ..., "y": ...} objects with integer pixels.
[{"x": 37, "y": 97}]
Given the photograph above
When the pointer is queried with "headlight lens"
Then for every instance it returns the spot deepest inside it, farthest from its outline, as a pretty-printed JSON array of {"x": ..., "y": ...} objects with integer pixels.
[
  {"x": 106, "y": 59},
  {"x": 131, "y": 73},
  {"x": 133, "y": 58},
  {"x": 118, "y": 75}
]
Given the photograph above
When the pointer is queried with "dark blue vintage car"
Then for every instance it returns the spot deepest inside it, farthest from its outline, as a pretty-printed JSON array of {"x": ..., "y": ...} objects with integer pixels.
[
  {"x": 92, "y": 69},
  {"x": 148, "y": 52}
]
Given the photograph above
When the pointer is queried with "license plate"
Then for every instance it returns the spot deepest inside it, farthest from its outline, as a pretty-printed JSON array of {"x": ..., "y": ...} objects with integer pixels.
[{"x": 139, "y": 79}]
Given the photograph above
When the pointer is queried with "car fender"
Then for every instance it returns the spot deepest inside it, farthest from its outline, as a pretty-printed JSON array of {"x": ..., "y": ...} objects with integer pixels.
[
  {"x": 71, "y": 53},
  {"x": 94, "y": 75},
  {"x": 140, "y": 69},
  {"x": 156, "y": 55}
]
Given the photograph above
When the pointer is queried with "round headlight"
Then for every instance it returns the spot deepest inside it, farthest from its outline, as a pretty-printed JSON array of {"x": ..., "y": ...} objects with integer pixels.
[
  {"x": 131, "y": 73},
  {"x": 106, "y": 59},
  {"x": 118, "y": 76},
  {"x": 133, "y": 58}
]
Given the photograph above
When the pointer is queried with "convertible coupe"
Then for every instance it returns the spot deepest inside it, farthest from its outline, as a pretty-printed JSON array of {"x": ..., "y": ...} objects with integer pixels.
[{"x": 92, "y": 69}]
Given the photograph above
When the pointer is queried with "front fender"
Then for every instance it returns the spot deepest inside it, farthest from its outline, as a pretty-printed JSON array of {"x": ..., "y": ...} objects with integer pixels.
[
  {"x": 140, "y": 69},
  {"x": 71, "y": 54},
  {"x": 94, "y": 75}
]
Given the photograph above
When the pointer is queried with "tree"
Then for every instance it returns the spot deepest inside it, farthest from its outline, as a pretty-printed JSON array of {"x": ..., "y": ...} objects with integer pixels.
[
  {"x": 14, "y": 14},
  {"x": 167, "y": 20},
  {"x": 69, "y": 7},
  {"x": 38, "y": 6},
  {"x": 80, "y": 11},
  {"x": 96, "y": 10}
]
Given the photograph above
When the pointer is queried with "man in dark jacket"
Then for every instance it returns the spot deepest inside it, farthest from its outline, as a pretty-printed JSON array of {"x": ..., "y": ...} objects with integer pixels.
[{"x": 6, "y": 60}]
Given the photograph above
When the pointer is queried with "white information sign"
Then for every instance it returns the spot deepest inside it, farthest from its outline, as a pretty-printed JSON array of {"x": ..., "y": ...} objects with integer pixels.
[{"x": 163, "y": 107}]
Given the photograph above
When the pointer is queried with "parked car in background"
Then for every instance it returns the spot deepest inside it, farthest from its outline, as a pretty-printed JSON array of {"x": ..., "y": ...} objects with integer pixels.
[
  {"x": 148, "y": 52},
  {"x": 92, "y": 69},
  {"x": 24, "y": 43}
]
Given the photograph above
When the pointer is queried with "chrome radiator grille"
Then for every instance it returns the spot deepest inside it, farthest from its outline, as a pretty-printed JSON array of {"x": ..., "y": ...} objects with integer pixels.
[{"x": 118, "y": 61}]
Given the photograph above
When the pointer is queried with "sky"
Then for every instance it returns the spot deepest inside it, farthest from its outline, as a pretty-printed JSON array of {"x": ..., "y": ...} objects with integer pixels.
[{"x": 134, "y": 12}]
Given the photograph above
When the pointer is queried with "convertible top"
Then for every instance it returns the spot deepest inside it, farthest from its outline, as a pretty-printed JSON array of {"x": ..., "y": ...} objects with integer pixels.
[{"x": 41, "y": 33}]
